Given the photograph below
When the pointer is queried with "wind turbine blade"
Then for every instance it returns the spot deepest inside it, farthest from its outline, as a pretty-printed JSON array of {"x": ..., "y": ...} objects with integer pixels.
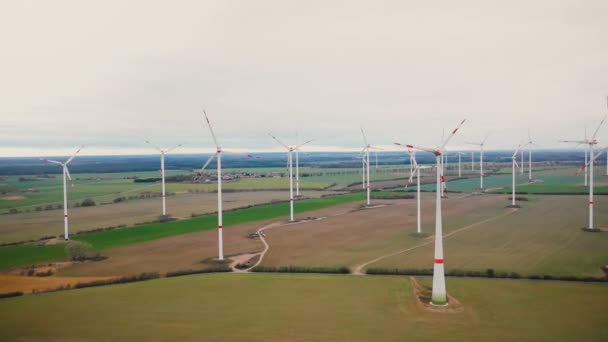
[
  {"x": 485, "y": 138},
  {"x": 302, "y": 144},
  {"x": 208, "y": 162},
  {"x": 74, "y": 155},
  {"x": 410, "y": 180},
  {"x": 277, "y": 140},
  {"x": 594, "y": 157},
  {"x": 173, "y": 148},
  {"x": 451, "y": 135},
  {"x": 515, "y": 161},
  {"x": 156, "y": 147},
  {"x": 573, "y": 141},
  {"x": 364, "y": 137},
  {"x": 67, "y": 173},
  {"x": 211, "y": 130},
  {"x": 597, "y": 129},
  {"x": 51, "y": 161},
  {"x": 426, "y": 149}
]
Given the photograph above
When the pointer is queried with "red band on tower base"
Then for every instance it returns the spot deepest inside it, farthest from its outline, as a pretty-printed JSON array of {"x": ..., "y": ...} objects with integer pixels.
[
  {"x": 591, "y": 202},
  {"x": 439, "y": 261},
  {"x": 220, "y": 227},
  {"x": 65, "y": 215}
]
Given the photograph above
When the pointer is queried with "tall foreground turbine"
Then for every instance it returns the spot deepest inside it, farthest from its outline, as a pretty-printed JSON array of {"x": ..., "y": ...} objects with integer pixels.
[
  {"x": 480, "y": 144},
  {"x": 162, "y": 171},
  {"x": 220, "y": 214},
  {"x": 439, "y": 296},
  {"x": 590, "y": 166},
  {"x": 290, "y": 150},
  {"x": 66, "y": 176}
]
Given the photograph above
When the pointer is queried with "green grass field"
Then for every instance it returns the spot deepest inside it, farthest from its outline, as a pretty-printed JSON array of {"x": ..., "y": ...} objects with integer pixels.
[
  {"x": 270, "y": 307},
  {"x": 23, "y": 255}
]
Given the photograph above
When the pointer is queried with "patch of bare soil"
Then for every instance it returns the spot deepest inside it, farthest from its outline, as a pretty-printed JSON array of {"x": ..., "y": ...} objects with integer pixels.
[
  {"x": 25, "y": 284},
  {"x": 423, "y": 299},
  {"x": 12, "y": 198},
  {"x": 52, "y": 267}
]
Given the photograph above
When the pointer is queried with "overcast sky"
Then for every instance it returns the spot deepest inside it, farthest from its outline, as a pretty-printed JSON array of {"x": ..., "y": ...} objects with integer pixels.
[{"x": 109, "y": 74}]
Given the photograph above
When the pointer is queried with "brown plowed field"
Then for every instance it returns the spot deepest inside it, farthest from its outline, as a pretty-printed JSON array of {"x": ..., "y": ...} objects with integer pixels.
[{"x": 181, "y": 252}]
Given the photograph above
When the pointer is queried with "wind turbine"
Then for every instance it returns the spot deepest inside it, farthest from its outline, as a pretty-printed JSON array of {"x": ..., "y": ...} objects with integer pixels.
[
  {"x": 162, "y": 171},
  {"x": 589, "y": 143},
  {"x": 66, "y": 176},
  {"x": 297, "y": 150},
  {"x": 415, "y": 171},
  {"x": 366, "y": 151},
  {"x": 590, "y": 165},
  {"x": 514, "y": 165},
  {"x": 530, "y": 143},
  {"x": 220, "y": 218},
  {"x": 439, "y": 296},
  {"x": 481, "y": 144},
  {"x": 460, "y": 154},
  {"x": 290, "y": 150}
]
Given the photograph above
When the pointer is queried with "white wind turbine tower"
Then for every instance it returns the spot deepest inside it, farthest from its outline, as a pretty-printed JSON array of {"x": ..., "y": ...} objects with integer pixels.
[
  {"x": 530, "y": 143},
  {"x": 480, "y": 144},
  {"x": 220, "y": 214},
  {"x": 590, "y": 165},
  {"x": 460, "y": 154},
  {"x": 514, "y": 165},
  {"x": 439, "y": 296},
  {"x": 162, "y": 171},
  {"x": 290, "y": 150},
  {"x": 297, "y": 150},
  {"x": 367, "y": 164},
  {"x": 415, "y": 171},
  {"x": 589, "y": 143},
  {"x": 66, "y": 176}
]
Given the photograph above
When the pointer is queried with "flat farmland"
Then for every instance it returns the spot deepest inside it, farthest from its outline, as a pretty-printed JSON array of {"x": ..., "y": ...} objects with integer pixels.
[
  {"x": 544, "y": 237},
  {"x": 349, "y": 239},
  {"x": 183, "y": 251},
  {"x": 33, "y": 193},
  {"x": 263, "y": 307},
  {"x": 34, "y": 225}
]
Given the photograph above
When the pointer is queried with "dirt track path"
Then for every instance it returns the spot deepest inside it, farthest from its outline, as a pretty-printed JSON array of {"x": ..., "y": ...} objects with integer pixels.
[{"x": 358, "y": 270}]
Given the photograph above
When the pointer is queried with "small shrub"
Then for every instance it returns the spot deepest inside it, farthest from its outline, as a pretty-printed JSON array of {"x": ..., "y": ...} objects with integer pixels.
[
  {"x": 44, "y": 274},
  {"x": 87, "y": 203},
  {"x": 11, "y": 294},
  {"x": 302, "y": 269},
  {"x": 188, "y": 272},
  {"x": 119, "y": 199}
]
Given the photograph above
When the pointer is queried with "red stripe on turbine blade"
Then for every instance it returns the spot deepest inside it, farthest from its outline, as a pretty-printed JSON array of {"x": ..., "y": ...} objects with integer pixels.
[
  {"x": 454, "y": 131},
  {"x": 410, "y": 146},
  {"x": 439, "y": 261}
]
